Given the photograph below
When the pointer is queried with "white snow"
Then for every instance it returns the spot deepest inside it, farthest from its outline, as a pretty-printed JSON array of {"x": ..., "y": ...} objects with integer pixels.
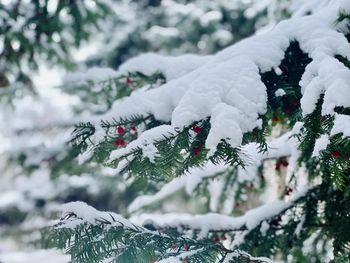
[
  {"x": 341, "y": 125},
  {"x": 320, "y": 145},
  {"x": 227, "y": 86},
  {"x": 179, "y": 258},
  {"x": 146, "y": 139},
  {"x": 282, "y": 146},
  {"x": 88, "y": 214},
  {"x": 38, "y": 256},
  {"x": 264, "y": 227},
  {"x": 171, "y": 67},
  {"x": 189, "y": 181},
  {"x": 280, "y": 92},
  {"x": 214, "y": 221}
]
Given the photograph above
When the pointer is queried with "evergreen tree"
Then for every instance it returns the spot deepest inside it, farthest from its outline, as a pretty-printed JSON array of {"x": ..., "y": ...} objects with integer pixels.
[
  {"x": 39, "y": 156},
  {"x": 34, "y": 30},
  {"x": 211, "y": 128},
  {"x": 58, "y": 159},
  {"x": 257, "y": 135}
]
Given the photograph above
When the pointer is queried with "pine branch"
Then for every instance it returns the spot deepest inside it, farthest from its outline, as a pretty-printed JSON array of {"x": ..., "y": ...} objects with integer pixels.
[
  {"x": 92, "y": 236},
  {"x": 101, "y": 94},
  {"x": 213, "y": 222}
]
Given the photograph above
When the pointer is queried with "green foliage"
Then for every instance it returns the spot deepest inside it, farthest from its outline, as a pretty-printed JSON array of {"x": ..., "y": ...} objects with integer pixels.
[
  {"x": 35, "y": 30},
  {"x": 110, "y": 240},
  {"x": 99, "y": 96},
  {"x": 321, "y": 216},
  {"x": 308, "y": 217},
  {"x": 185, "y": 149}
]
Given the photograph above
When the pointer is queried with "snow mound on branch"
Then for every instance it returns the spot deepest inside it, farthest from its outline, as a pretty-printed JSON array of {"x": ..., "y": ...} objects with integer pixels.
[
  {"x": 218, "y": 222},
  {"x": 320, "y": 145},
  {"x": 341, "y": 125},
  {"x": 227, "y": 87},
  {"x": 214, "y": 221},
  {"x": 86, "y": 213},
  {"x": 171, "y": 67}
]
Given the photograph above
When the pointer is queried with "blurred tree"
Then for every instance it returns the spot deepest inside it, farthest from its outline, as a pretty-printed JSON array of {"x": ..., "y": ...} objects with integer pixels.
[{"x": 33, "y": 30}]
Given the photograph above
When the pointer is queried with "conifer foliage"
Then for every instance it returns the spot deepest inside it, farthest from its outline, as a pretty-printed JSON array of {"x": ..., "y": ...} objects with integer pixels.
[
  {"x": 238, "y": 156},
  {"x": 32, "y": 30},
  {"x": 212, "y": 121}
]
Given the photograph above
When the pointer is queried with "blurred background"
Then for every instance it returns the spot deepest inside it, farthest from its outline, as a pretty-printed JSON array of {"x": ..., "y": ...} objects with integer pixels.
[{"x": 44, "y": 44}]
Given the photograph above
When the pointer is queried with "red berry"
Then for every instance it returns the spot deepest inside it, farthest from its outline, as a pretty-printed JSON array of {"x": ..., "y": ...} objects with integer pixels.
[
  {"x": 287, "y": 110},
  {"x": 336, "y": 154},
  {"x": 278, "y": 166},
  {"x": 120, "y": 130},
  {"x": 284, "y": 163},
  {"x": 197, "y": 129},
  {"x": 275, "y": 119},
  {"x": 281, "y": 163},
  {"x": 197, "y": 151},
  {"x": 133, "y": 128},
  {"x": 216, "y": 239},
  {"x": 128, "y": 81},
  {"x": 288, "y": 190},
  {"x": 119, "y": 143},
  {"x": 122, "y": 143},
  {"x": 173, "y": 246},
  {"x": 238, "y": 205},
  {"x": 186, "y": 247},
  {"x": 295, "y": 103}
]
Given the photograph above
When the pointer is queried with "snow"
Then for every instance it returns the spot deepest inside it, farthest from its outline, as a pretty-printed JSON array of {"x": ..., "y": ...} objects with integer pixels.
[
  {"x": 329, "y": 77},
  {"x": 227, "y": 86},
  {"x": 280, "y": 93},
  {"x": 189, "y": 181},
  {"x": 38, "y": 256},
  {"x": 283, "y": 146},
  {"x": 215, "y": 188},
  {"x": 210, "y": 17},
  {"x": 223, "y": 36},
  {"x": 14, "y": 199},
  {"x": 150, "y": 152},
  {"x": 264, "y": 227},
  {"x": 179, "y": 258},
  {"x": 144, "y": 141},
  {"x": 86, "y": 213},
  {"x": 171, "y": 67},
  {"x": 341, "y": 125},
  {"x": 214, "y": 221},
  {"x": 320, "y": 145},
  {"x": 156, "y": 32}
]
